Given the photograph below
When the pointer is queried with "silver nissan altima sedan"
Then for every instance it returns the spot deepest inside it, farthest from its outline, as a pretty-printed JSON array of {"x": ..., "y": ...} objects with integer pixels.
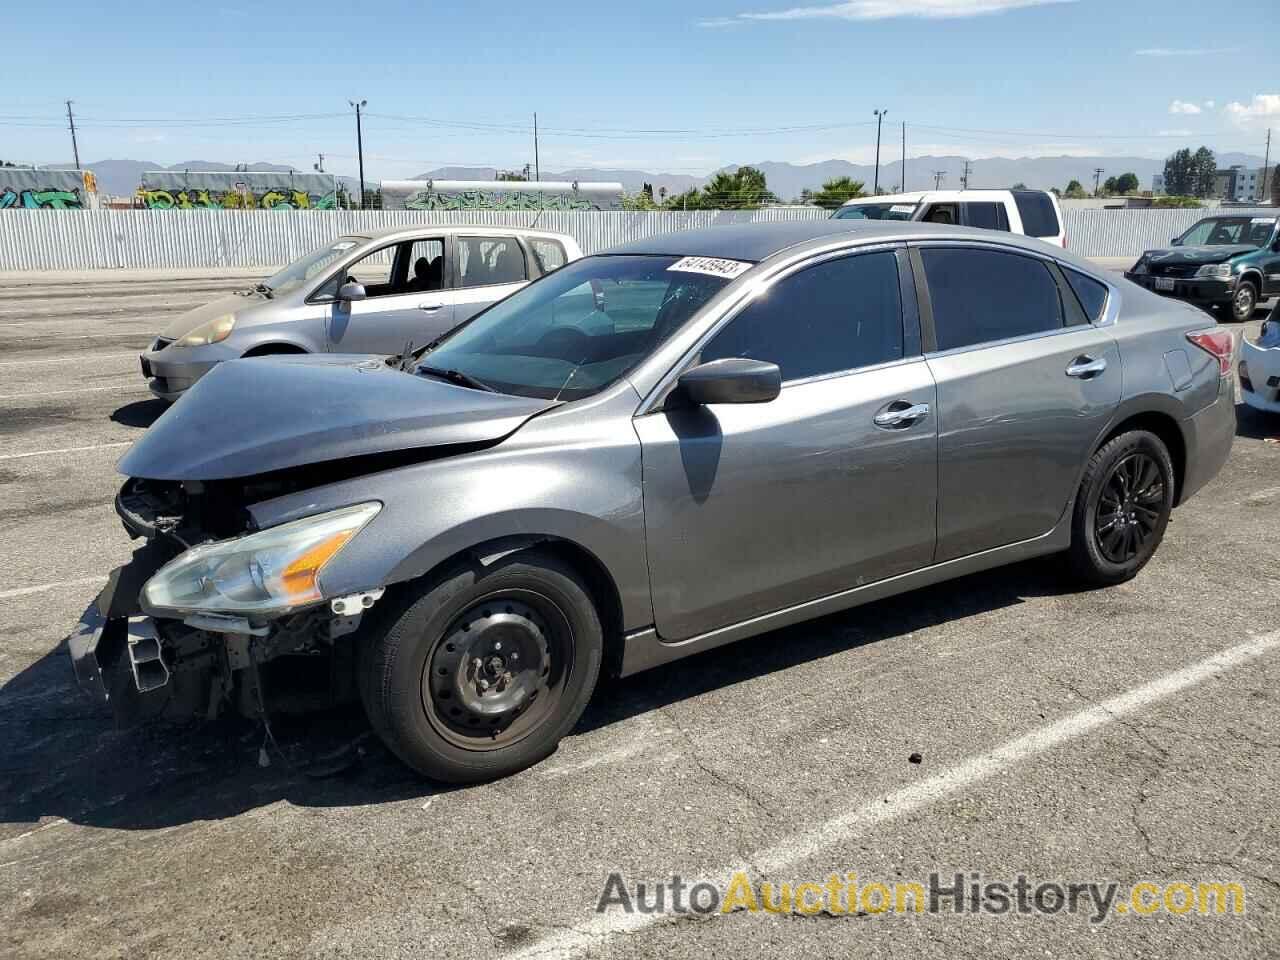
[
  {"x": 368, "y": 293},
  {"x": 647, "y": 454}
]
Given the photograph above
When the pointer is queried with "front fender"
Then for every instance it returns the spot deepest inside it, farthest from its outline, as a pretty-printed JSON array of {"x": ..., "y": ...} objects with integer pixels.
[{"x": 568, "y": 477}]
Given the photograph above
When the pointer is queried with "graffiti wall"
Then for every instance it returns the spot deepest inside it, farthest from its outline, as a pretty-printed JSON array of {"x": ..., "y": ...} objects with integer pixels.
[
  {"x": 234, "y": 190},
  {"x": 22, "y": 188},
  {"x": 499, "y": 195}
]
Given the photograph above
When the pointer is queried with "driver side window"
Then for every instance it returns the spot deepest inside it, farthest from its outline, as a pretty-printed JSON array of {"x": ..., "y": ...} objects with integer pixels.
[{"x": 831, "y": 317}]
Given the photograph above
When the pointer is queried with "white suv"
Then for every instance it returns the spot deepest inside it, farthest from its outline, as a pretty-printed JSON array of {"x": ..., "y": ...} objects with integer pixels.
[{"x": 1033, "y": 213}]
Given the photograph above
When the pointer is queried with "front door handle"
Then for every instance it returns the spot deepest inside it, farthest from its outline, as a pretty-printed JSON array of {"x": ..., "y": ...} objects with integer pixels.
[
  {"x": 900, "y": 413},
  {"x": 430, "y": 307},
  {"x": 1085, "y": 367}
]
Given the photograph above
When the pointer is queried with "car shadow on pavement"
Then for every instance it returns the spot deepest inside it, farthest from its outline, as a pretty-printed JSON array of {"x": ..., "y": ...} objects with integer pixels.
[
  {"x": 140, "y": 413},
  {"x": 63, "y": 758},
  {"x": 1255, "y": 424}
]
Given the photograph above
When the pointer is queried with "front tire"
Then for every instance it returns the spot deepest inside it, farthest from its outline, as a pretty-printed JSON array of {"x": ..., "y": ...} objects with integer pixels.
[
  {"x": 478, "y": 672},
  {"x": 1244, "y": 301},
  {"x": 1122, "y": 508}
]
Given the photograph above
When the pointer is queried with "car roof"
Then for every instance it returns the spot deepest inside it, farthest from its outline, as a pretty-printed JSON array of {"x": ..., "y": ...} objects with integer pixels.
[
  {"x": 408, "y": 230},
  {"x": 949, "y": 195},
  {"x": 755, "y": 242}
]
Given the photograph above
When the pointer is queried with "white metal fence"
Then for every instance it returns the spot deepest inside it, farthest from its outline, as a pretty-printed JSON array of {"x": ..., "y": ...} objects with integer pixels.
[{"x": 186, "y": 239}]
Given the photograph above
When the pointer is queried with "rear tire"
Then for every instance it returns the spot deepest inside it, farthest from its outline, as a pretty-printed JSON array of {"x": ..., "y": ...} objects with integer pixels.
[
  {"x": 478, "y": 672},
  {"x": 1122, "y": 508}
]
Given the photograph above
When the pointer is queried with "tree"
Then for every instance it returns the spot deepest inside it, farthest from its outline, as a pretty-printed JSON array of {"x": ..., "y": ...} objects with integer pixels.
[
  {"x": 1109, "y": 187},
  {"x": 1075, "y": 191},
  {"x": 1127, "y": 183},
  {"x": 512, "y": 175},
  {"x": 835, "y": 192},
  {"x": 1205, "y": 169},
  {"x": 1019, "y": 186},
  {"x": 744, "y": 189},
  {"x": 1180, "y": 174},
  {"x": 1175, "y": 202}
]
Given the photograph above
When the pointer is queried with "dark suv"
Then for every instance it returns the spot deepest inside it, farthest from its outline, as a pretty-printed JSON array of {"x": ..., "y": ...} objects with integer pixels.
[{"x": 1221, "y": 261}]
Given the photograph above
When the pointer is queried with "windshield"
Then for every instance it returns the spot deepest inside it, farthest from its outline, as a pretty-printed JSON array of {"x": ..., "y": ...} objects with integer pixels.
[
  {"x": 316, "y": 262},
  {"x": 579, "y": 329},
  {"x": 877, "y": 211},
  {"x": 1235, "y": 231}
]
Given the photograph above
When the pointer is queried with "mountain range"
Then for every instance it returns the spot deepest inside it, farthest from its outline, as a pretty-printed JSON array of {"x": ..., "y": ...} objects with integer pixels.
[{"x": 786, "y": 180}]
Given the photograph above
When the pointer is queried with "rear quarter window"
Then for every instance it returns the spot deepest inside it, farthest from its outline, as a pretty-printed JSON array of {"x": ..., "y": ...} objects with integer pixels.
[
  {"x": 1039, "y": 219},
  {"x": 1091, "y": 294}
]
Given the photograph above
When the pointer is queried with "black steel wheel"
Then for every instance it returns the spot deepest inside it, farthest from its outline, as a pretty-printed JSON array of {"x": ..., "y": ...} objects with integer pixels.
[
  {"x": 478, "y": 672},
  {"x": 1122, "y": 508}
]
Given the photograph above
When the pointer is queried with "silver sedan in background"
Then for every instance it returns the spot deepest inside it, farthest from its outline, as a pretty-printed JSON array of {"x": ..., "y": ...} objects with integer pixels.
[{"x": 372, "y": 293}]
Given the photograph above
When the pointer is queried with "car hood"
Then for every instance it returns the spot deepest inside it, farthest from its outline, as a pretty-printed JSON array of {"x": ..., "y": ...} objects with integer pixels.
[
  {"x": 247, "y": 417},
  {"x": 236, "y": 303},
  {"x": 1217, "y": 253}
]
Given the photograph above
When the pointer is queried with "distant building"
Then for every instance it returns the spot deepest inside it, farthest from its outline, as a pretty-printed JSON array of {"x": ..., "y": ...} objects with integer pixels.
[{"x": 1241, "y": 184}]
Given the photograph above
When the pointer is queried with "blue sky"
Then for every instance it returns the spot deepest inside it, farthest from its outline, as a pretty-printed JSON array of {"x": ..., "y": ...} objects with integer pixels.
[{"x": 734, "y": 80}]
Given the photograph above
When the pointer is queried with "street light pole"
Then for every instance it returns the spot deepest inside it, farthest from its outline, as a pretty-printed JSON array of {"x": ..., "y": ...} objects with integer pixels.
[
  {"x": 360, "y": 145},
  {"x": 880, "y": 115}
]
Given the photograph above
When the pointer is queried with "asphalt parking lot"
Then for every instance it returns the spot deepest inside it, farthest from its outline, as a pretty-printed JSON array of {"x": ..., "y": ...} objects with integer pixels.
[{"x": 1002, "y": 724}]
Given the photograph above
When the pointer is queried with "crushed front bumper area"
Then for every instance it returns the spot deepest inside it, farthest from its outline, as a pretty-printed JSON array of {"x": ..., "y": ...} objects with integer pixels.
[{"x": 170, "y": 371}]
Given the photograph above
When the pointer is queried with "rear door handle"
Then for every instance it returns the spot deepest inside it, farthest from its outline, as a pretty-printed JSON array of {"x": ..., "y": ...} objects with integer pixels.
[
  {"x": 430, "y": 307},
  {"x": 900, "y": 413},
  {"x": 1085, "y": 367}
]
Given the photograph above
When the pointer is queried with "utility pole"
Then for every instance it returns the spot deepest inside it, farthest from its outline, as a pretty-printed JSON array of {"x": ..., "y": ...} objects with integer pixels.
[
  {"x": 904, "y": 157},
  {"x": 964, "y": 177},
  {"x": 1266, "y": 162},
  {"x": 937, "y": 178},
  {"x": 72, "y": 121},
  {"x": 1097, "y": 176},
  {"x": 880, "y": 115},
  {"x": 537, "y": 169},
  {"x": 360, "y": 145},
  {"x": 320, "y": 166}
]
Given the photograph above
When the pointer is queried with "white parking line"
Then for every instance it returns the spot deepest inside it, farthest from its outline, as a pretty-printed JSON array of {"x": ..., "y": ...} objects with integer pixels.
[
  {"x": 123, "y": 387},
  {"x": 40, "y": 829},
  {"x": 28, "y": 591},
  {"x": 577, "y": 941},
  {"x": 48, "y": 453},
  {"x": 81, "y": 357}
]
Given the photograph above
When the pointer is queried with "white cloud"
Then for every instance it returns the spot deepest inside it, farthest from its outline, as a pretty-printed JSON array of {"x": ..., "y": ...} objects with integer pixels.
[
  {"x": 1208, "y": 104},
  {"x": 882, "y": 10},
  {"x": 1183, "y": 52},
  {"x": 1178, "y": 132},
  {"x": 1182, "y": 106},
  {"x": 1263, "y": 107}
]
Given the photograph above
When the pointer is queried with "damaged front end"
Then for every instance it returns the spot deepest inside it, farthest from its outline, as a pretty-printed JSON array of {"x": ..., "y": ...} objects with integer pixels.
[{"x": 209, "y": 606}]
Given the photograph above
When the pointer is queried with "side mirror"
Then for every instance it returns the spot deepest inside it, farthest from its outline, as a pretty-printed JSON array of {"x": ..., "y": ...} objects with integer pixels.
[
  {"x": 732, "y": 380},
  {"x": 1175, "y": 242},
  {"x": 352, "y": 291}
]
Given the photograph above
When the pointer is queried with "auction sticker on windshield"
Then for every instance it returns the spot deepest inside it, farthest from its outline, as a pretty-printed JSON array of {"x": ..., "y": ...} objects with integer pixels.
[{"x": 712, "y": 266}]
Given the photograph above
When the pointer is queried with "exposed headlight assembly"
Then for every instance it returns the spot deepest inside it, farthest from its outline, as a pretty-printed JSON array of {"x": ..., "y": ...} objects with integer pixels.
[
  {"x": 1219, "y": 271},
  {"x": 1140, "y": 267},
  {"x": 270, "y": 572},
  {"x": 215, "y": 331}
]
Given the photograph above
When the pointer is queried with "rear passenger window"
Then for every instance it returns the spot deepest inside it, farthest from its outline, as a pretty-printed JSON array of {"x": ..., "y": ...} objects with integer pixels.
[
  {"x": 983, "y": 295},
  {"x": 1091, "y": 294},
  {"x": 988, "y": 216},
  {"x": 1039, "y": 219},
  {"x": 549, "y": 254},
  {"x": 834, "y": 316},
  {"x": 484, "y": 261}
]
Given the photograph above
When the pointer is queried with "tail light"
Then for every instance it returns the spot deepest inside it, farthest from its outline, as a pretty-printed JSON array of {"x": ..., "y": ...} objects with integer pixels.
[{"x": 1220, "y": 343}]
